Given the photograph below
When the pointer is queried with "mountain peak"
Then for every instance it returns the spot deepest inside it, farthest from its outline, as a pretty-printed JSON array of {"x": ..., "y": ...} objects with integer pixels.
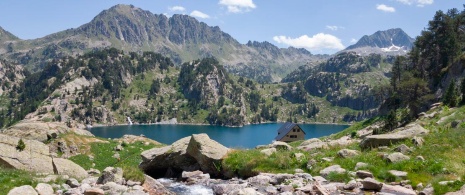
[
  {"x": 6, "y": 36},
  {"x": 388, "y": 40}
]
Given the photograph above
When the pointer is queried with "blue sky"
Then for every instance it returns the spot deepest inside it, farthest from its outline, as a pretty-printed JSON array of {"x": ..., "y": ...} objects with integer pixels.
[{"x": 320, "y": 26}]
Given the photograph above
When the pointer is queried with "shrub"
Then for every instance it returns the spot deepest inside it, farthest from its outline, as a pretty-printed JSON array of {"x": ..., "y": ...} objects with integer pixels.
[{"x": 21, "y": 145}]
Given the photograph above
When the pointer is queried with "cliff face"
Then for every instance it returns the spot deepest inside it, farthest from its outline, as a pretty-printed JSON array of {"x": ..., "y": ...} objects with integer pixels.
[{"x": 347, "y": 80}]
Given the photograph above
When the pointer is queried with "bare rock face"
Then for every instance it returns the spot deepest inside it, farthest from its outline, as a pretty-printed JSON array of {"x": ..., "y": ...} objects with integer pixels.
[
  {"x": 207, "y": 152},
  {"x": 111, "y": 174},
  {"x": 399, "y": 135},
  {"x": 35, "y": 157},
  {"x": 41, "y": 131}
]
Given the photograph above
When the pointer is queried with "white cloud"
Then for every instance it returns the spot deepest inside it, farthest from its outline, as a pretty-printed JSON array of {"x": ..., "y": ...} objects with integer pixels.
[
  {"x": 177, "y": 9},
  {"x": 317, "y": 42},
  {"x": 199, "y": 14},
  {"x": 353, "y": 40},
  {"x": 334, "y": 28},
  {"x": 419, "y": 3},
  {"x": 237, "y": 6},
  {"x": 385, "y": 8}
]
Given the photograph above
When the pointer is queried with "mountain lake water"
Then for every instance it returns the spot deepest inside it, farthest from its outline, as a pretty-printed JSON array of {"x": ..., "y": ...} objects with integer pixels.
[{"x": 247, "y": 136}]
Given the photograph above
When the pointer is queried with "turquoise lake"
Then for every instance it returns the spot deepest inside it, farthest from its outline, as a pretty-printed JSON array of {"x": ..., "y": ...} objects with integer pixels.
[{"x": 247, "y": 136}]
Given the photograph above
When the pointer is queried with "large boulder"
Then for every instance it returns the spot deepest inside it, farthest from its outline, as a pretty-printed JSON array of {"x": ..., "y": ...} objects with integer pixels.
[
  {"x": 208, "y": 153},
  {"x": 41, "y": 131},
  {"x": 197, "y": 152},
  {"x": 158, "y": 161},
  {"x": 67, "y": 167},
  {"x": 398, "y": 135},
  {"x": 44, "y": 189},
  {"x": 312, "y": 144},
  {"x": 23, "y": 190}
]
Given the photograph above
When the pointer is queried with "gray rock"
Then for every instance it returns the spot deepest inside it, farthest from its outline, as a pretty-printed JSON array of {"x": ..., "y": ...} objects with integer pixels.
[
  {"x": 131, "y": 183},
  {"x": 420, "y": 158},
  {"x": 351, "y": 185},
  {"x": 152, "y": 186},
  {"x": 84, "y": 187},
  {"x": 114, "y": 188},
  {"x": 279, "y": 145},
  {"x": 93, "y": 172},
  {"x": 245, "y": 191},
  {"x": 299, "y": 156},
  {"x": 371, "y": 184},
  {"x": 90, "y": 180},
  {"x": 418, "y": 141},
  {"x": 41, "y": 131},
  {"x": 73, "y": 183},
  {"x": 312, "y": 144},
  {"x": 67, "y": 167},
  {"x": 23, "y": 190},
  {"x": 208, "y": 153},
  {"x": 347, "y": 153},
  {"x": 397, "y": 157},
  {"x": 227, "y": 188},
  {"x": 363, "y": 174},
  {"x": 403, "y": 149},
  {"x": 173, "y": 156},
  {"x": 335, "y": 168},
  {"x": 111, "y": 174},
  {"x": 259, "y": 180},
  {"x": 94, "y": 191},
  {"x": 397, "y": 190},
  {"x": 44, "y": 189},
  {"x": 399, "y": 135},
  {"x": 399, "y": 174},
  {"x": 268, "y": 151},
  {"x": 311, "y": 163},
  {"x": 188, "y": 174},
  {"x": 360, "y": 165},
  {"x": 118, "y": 148},
  {"x": 65, "y": 186},
  {"x": 299, "y": 171}
]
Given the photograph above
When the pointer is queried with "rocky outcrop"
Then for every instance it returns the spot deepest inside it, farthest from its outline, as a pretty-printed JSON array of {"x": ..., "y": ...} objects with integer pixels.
[
  {"x": 35, "y": 157},
  {"x": 160, "y": 161},
  {"x": 207, "y": 152},
  {"x": 398, "y": 135},
  {"x": 187, "y": 154},
  {"x": 41, "y": 131}
]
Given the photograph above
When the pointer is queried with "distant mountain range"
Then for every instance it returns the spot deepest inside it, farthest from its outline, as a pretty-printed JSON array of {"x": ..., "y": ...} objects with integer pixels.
[
  {"x": 179, "y": 37},
  {"x": 393, "y": 41}
]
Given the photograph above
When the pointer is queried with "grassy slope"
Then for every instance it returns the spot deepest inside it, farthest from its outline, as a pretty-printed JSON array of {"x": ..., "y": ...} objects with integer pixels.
[{"x": 444, "y": 153}]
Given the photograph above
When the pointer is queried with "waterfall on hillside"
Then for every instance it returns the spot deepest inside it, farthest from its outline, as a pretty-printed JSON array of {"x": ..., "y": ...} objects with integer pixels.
[{"x": 129, "y": 120}]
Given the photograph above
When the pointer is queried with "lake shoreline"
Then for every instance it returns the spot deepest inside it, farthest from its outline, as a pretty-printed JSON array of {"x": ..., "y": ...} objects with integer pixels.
[{"x": 205, "y": 124}]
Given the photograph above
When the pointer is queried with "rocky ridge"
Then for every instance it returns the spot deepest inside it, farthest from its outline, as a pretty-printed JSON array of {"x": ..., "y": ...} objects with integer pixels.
[{"x": 180, "y": 37}]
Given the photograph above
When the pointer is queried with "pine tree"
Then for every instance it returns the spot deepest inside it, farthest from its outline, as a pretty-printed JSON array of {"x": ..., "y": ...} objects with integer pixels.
[
  {"x": 21, "y": 145},
  {"x": 450, "y": 98}
]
